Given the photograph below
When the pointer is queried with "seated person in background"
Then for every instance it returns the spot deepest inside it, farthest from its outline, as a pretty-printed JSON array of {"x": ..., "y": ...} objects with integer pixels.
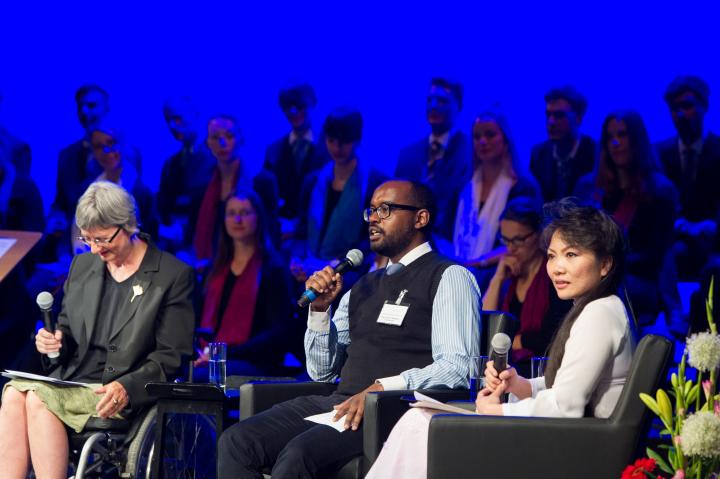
[
  {"x": 630, "y": 187},
  {"x": 184, "y": 178},
  {"x": 21, "y": 209},
  {"x": 76, "y": 166},
  {"x": 497, "y": 177},
  {"x": 521, "y": 285},
  {"x": 560, "y": 161},
  {"x": 294, "y": 156},
  {"x": 691, "y": 160},
  {"x": 248, "y": 300},
  {"x": 431, "y": 348},
  {"x": 441, "y": 159},
  {"x": 590, "y": 355},
  {"x": 332, "y": 196},
  {"x": 224, "y": 139},
  {"x": 126, "y": 320},
  {"x": 110, "y": 151}
]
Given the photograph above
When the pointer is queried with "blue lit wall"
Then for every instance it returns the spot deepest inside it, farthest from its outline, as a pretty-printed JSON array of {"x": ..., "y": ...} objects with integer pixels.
[{"x": 378, "y": 56}]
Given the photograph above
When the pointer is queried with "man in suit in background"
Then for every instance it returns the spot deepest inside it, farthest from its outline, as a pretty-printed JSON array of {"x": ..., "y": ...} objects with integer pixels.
[
  {"x": 442, "y": 159},
  {"x": 295, "y": 155},
  {"x": 185, "y": 176},
  {"x": 558, "y": 162},
  {"x": 691, "y": 160}
]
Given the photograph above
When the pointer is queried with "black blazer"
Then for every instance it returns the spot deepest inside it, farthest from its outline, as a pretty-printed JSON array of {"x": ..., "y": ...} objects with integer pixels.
[
  {"x": 702, "y": 201},
  {"x": 152, "y": 333},
  {"x": 544, "y": 169},
  {"x": 280, "y": 161},
  {"x": 452, "y": 172}
]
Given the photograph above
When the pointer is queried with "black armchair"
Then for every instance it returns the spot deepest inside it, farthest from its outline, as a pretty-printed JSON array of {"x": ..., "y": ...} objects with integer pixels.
[
  {"x": 493, "y": 322},
  {"x": 508, "y": 447}
]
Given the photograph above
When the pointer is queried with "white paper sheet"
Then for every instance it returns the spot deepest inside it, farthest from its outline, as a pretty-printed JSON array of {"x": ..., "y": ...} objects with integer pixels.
[
  {"x": 8, "y": 373},
  {"x": 326, "y": 418}
]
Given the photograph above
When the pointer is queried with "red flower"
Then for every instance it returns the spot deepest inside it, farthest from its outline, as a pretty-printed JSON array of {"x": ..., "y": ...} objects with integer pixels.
[{"x": 639, "y": 468}]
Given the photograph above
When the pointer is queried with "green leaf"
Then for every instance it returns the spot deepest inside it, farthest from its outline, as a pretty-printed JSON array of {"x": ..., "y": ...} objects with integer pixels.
[
  {"x": 659, "y": 460},
  {"x": 666, "y": 410},
  {"x": 693, "y": 394},
  {"x": 650, "y": 403},
  {"x": 665, "y": 432},
  {"x": 688, "y": 386}
]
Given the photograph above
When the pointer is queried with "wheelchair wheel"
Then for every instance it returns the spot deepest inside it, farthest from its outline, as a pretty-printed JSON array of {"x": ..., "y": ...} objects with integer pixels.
[
  {"x": 140, "y": 451},
  {"x": 189, "y": 448}
]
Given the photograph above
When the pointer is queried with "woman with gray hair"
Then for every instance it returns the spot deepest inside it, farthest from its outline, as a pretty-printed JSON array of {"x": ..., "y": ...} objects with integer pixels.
[{"x": 126, "y": 320}]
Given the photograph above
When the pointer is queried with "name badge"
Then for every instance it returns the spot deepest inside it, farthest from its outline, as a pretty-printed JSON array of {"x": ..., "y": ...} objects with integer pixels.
[{"x": 393, "y": 313}]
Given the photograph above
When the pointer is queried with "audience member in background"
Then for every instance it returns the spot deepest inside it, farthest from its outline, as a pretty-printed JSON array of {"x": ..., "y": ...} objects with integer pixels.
[
  {"x": 691, "y": 160},
  {"x": 333, "y": 199},
  {"x": 248, "y": 301},
  {"x": 521, "y": 285},
  {"x": 184, "y": 178},
  {"x": 442, "y": 159},
  {"x": 294, "y": 156},
  {"x": 590, "y": 355},
  {"x": 77, "y": 167},
  {"x": 630, "y": 187},
  {"x": 496, "y": 179},
  {"x": 21, "y": 208},
  {"x": 15, "y": 149},
  {"x": 224, "y": 139},
  {"x": 110, "y": 150},
  {"x": 566, "y": 155}
]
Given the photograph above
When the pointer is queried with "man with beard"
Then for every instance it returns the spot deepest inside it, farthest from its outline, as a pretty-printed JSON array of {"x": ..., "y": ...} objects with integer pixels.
[
  {"x": 691, "y": 160},
  {"x": 412, "y": 325}
]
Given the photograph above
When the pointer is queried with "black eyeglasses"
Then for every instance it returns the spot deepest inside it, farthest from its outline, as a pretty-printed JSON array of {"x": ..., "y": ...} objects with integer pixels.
[
  {"x": 99, "y": 241},
  {"x": 516, "y": 241},
  {"x": 383, "y": 211}
]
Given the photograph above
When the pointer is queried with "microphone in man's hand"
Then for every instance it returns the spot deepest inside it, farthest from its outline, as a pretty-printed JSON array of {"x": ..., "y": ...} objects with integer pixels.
[
  {"x": 353, "y": 259},
  {"x": 501, "y": 344},
  {"x": 45, "y": 301}
]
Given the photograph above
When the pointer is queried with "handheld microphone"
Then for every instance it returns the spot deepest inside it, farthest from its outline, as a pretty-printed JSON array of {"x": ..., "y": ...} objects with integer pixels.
[
  {"x": 45, "y": 301},
  {"x": 354, "y": 258},
  {"x": 501, "y": 344}
]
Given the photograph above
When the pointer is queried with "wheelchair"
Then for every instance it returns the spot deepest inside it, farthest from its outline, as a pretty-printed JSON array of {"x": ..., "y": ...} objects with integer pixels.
[{"x": 125, "y": 449}]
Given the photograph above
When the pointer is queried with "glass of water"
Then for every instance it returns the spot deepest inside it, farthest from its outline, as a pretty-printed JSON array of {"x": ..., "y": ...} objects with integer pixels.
[
  {"x": 537, "y": 366},
  {"x": 477, "y": 375},
  {"x": 218, "y": 360}
]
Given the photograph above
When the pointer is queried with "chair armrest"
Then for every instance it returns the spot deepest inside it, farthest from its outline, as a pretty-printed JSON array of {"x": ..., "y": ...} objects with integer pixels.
[
  {"x": 259, "y": 396},
  {"x": 527, "y": 447}
]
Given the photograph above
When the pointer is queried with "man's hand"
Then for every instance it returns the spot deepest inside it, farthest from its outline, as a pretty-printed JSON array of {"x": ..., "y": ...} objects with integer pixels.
[
  {"x": 328, "y": 284},
  {"x": 114, "y": 400},
  {"x": 354, "y": 407}
]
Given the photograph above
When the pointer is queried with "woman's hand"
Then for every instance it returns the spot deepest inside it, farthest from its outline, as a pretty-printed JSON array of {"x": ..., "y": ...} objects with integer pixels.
[
  {"x": 45, "y": 342},
  {"x": 505, "y": 379},
  {"x": 202, "y": 361},
  {"x": 488, "y": 402},
  {"x": 115, "y": 399},
  {"x": 508, "y": 267}
]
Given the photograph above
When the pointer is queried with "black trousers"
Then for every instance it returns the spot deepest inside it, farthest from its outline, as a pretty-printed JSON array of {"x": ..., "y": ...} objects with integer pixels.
[{"x": 280, "y": 438}]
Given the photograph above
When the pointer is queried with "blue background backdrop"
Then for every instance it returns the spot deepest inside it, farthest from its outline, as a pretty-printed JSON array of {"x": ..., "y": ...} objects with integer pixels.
[{"x": 378, "y": 56}]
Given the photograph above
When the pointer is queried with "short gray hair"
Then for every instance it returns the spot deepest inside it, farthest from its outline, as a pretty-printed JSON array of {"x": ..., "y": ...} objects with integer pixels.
[{"x": 105, "y": 204}]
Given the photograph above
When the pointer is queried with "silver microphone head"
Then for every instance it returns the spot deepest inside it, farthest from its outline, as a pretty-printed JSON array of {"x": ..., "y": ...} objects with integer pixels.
[
  {"x": 45, "y": 300},
  {"x": 356, "y": 257},
  {"x": 501, "y": 343}
]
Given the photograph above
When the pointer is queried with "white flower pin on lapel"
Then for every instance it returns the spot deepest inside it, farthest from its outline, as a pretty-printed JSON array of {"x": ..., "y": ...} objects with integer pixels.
[{"x": 137, "y": 291}]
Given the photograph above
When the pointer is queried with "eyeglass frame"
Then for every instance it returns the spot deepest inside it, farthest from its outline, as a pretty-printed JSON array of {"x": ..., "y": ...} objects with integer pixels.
[
  {"x": 516, "y": 241},
  {"x": 100, "y": 241},
  {"x": 368, "y": 212}
]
